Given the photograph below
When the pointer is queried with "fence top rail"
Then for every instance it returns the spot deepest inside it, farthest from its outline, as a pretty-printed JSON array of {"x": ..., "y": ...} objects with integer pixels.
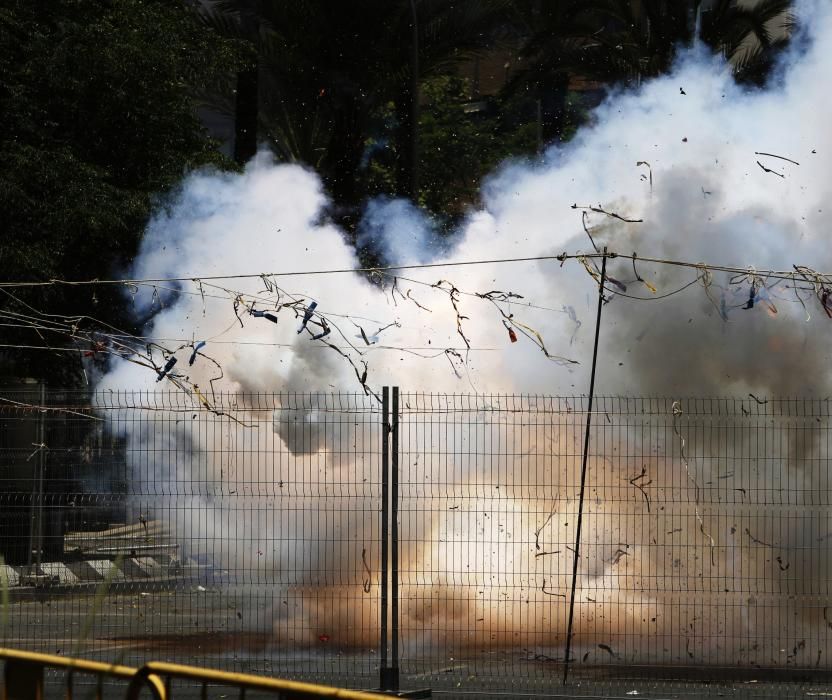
[
  {"x": 98, "y": 404},
  {"x": 684, "y": 406},
  {"x": 93, "y": 404}
]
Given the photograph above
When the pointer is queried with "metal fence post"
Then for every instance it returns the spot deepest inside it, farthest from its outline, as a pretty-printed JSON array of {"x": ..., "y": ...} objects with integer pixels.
[
  {"x": 33, "y": 558},
  {"x": 394, "y": 540},
  {"x": 23, "y": 680},
  {"x": 577, "y": 555},
  {"x": 389, "y": 674},
  {"x": 385, "y": 515},
  {"x": 41, "y": 447}
]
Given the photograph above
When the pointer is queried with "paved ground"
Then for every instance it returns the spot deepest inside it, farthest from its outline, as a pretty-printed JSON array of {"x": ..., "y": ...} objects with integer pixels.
[{"x": 194, "y": 625}]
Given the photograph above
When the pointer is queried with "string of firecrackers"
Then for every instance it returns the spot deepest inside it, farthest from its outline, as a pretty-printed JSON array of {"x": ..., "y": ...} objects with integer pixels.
[
  {"x": 745, "y": 290},
  {"x": 100, "y": 341},
  {"x": 496, "y": 297},
  {"x": 511, "y": 324}
]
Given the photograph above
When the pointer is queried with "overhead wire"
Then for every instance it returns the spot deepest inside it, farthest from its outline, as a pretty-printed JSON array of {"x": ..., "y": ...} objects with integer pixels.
[
  {"x": 123, "y": 344},
  {"x": 562, "y": 257}
]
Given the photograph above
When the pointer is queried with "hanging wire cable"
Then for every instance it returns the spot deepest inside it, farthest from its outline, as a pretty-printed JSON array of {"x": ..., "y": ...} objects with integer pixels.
[{"x": 774, "y": 274}]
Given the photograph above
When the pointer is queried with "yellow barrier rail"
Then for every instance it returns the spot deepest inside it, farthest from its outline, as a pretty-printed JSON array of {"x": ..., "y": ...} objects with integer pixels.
[
  {"x": 287, "y": 690},
  {"x": 23, "y": 675},
  {"x": 23, "y": 679}
]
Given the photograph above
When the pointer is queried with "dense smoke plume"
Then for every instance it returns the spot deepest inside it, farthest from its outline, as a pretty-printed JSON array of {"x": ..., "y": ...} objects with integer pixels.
[{"x": 685, "y": 162}]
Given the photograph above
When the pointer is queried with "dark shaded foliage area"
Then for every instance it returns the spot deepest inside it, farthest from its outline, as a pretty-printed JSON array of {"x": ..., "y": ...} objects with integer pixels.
[{"x": 97, "y": 122}]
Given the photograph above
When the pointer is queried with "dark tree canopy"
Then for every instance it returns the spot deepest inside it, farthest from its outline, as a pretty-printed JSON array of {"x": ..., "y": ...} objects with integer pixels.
[{"x": 97, "y": 120}]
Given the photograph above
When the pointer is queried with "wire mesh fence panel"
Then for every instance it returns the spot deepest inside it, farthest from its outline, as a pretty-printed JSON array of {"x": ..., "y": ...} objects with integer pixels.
[
  {"x": 705, "y": 537},
  {"x": 246, "y": 535},
  {"x": 242, "y": 537}
]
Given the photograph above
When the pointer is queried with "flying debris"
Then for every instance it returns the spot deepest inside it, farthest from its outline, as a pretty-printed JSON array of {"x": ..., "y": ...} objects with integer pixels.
[
  {"x": 752, "y": 295},
  {"x": 769, "y": 170},
  {"x": 774, "y": 155},
  {"x": 325, "y": 331},
  {"x": 307, "y": 315},
  {"x": 197, "y": 347},
  {"x": 263, "y": 314},
  {"x": 97, "y": 347},
  {"x": 167, "y": 368},
  {"x": 620, "y": 285},
  {"x": 650, "y": 170}
]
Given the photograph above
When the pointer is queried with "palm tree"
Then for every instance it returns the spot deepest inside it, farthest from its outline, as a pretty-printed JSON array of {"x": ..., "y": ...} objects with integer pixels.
[
  {"x": 559, "y": 42},
  {"x": 748, "y": 36},
  {"x": 239, "y": 20},
  {"x": 325, "y": 70},
  {"x": 640, "y": 38},
  {"x": 627, "y": 40}
]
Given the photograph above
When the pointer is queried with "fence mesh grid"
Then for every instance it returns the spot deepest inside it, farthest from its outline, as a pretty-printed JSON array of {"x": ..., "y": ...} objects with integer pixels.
[
  {"x": 246, "y": 539},
  {"x": 142, "y": 526},
  {"x": 705, "y": 534}
]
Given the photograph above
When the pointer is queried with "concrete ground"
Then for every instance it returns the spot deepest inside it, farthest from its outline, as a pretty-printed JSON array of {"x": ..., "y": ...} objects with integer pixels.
[{"x": 195, "y": 625}]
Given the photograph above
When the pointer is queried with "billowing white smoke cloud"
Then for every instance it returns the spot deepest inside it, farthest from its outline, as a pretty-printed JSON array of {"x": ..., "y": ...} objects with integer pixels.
[
  {"x": 398, "y": 231},
  {"x": 702, "y": 197},
  {"x": 709, "y": 201}
]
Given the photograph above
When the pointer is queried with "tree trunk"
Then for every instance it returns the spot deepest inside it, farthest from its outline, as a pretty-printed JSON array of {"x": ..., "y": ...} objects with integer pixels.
[
  {"x": 343, "y": 160},
  {"x": 245, "y": 115},
  {"x": 405, "y": 138},
  {"x": 407, "y": 115},
  {"x": 247, "y": 106},
  {"x": 553, "y": 93}
]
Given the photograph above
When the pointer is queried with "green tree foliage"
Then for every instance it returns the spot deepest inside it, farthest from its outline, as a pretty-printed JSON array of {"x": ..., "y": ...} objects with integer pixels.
[
  {"x": 328, "y": 71},
  {"x": 96, "y": 120},
  {"x": 644, "y": 36},
  {"x": 335, "y": 77},
  {"x": 459, "y": 141},
  {"x": 613, "y": 41}
]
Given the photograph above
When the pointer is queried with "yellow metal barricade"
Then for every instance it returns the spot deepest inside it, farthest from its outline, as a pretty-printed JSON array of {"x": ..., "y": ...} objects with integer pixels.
[
  {"x": 286, "y": 690},
  {"x": 23, "y": 679}
]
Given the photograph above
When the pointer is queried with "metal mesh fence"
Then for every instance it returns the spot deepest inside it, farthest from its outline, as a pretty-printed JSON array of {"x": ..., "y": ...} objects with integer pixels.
[
  {"x": 244, "y": 538},
  {"x": 142, "y": 525},
  {"x": 705, "y": 537}
]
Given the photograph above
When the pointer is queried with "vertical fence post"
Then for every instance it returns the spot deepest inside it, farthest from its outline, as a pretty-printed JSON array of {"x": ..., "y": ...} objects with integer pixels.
[
  {"x": 41, "y": 447},
  {"x": 385, "y": 514},
  {"x": 36, "y": 517},
  {"x": 394, "y": 541},
  {"x": 389, "y": 674},
  {"x": 583, "y": 470},
  {"x": 22, "y": 680}
]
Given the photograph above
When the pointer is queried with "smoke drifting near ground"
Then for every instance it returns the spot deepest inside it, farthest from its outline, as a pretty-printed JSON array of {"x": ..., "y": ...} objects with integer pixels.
[{"x": 702, "y": 197}]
